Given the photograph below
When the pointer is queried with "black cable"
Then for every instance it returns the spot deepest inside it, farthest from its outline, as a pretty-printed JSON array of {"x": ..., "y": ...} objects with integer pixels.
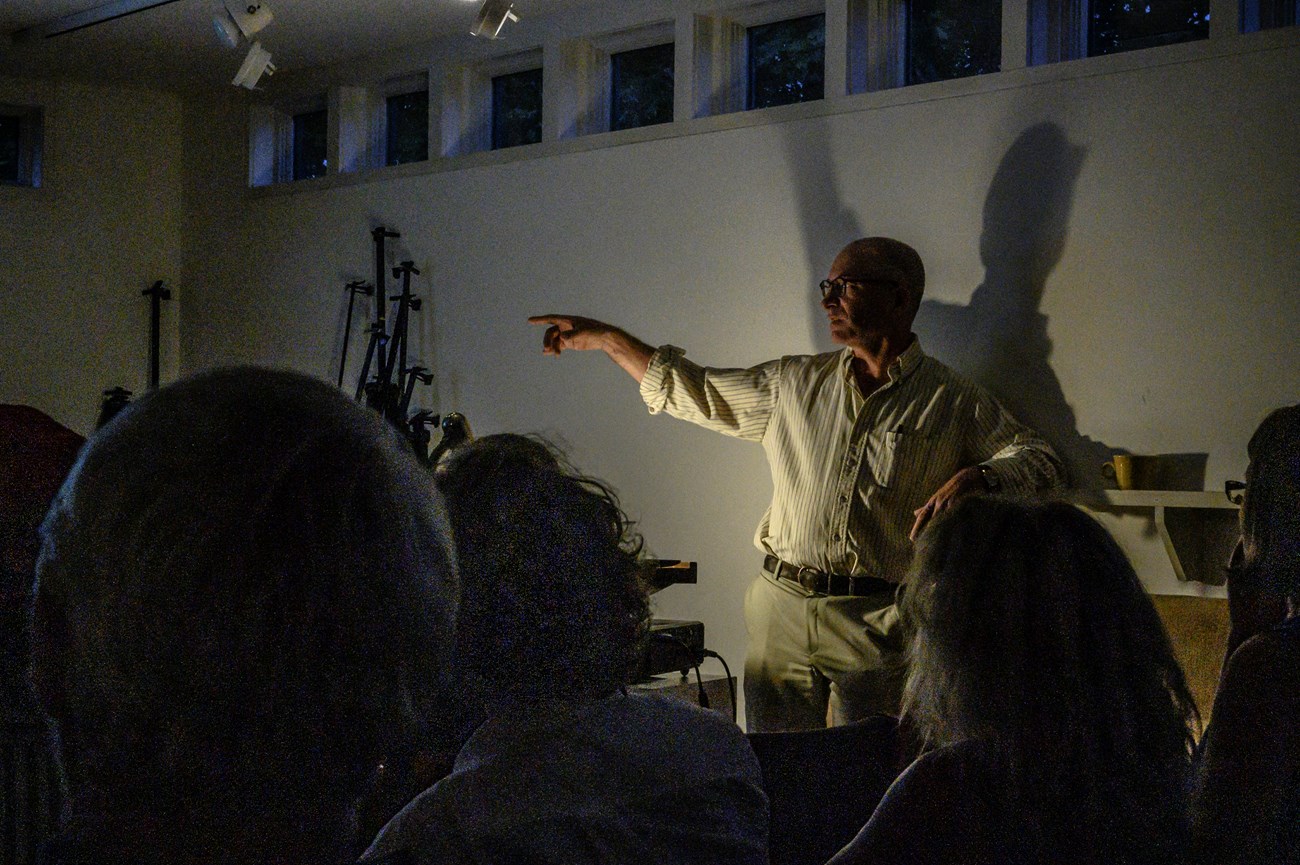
[
  {"x": 731, "y": 683},
  {"x": 672, "y": 639},
  {"x": 704, "y": 695}
]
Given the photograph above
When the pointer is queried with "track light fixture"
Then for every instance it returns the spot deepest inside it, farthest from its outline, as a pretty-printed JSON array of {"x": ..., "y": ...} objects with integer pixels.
[
  {"x": 492, "y": 16},
  {"x": 256, "y": 64},
  {"x": 240, "y": 20}
]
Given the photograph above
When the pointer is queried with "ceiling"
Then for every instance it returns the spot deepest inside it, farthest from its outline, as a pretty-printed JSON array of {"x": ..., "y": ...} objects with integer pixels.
[{"x": 175, "y": 47}]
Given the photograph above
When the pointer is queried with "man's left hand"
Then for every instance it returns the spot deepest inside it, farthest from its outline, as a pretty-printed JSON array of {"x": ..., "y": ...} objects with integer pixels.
[{"x": 968, "y": 481}]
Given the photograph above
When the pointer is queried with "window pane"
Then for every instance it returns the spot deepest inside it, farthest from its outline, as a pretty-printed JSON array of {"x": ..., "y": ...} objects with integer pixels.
[
  {"x": 952, "y": 39},
  {"x": 786, "y": 61},
  {"x": 309, "y": 132},
  {"x": 517, "y": 109},
  {"x": 641, "y": 87},
  {"x": 408, "y": 128},
  {"x": 1116, "y": 25},
  {"x": 1267, "y": 14},
  {"x": 10, "y": 137}
]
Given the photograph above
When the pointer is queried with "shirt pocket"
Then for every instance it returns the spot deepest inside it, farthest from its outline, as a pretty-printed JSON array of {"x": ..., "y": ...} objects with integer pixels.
[{"x": 905, "y": 457}]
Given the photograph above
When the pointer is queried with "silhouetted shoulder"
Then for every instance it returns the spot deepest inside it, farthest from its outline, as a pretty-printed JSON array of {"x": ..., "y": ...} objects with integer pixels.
[
  {"x": 938, "y": 811},
  {"x": 1265, "y": 669}
]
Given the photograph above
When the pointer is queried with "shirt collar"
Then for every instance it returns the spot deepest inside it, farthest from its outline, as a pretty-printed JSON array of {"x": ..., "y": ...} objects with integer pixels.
[
  {"x": 908, "y": 361},
  {"x": 901, "y": 368}
]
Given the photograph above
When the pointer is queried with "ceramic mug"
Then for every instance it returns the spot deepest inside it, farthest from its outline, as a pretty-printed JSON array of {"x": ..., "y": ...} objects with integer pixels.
[{"x": 1131, "y": 471}]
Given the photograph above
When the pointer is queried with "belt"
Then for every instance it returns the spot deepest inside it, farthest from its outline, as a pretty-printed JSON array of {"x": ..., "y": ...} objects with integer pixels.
[{"x": 822, "y": 583}]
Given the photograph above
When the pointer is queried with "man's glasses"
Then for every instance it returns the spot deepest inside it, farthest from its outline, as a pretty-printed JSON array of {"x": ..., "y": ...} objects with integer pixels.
[
  {"x": 839, "y": 287},
  {"x": 1235, "y": 491}
]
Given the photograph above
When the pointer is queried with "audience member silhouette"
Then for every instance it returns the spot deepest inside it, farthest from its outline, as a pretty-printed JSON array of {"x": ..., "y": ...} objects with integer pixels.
[
  {"x": 1044, "y": 676},
  {"x": 568, "y": 766},
  {"x": 36, "y": 454},
  {"x": 1246, "y": 802},
  {"x": 245, "y": 602}
]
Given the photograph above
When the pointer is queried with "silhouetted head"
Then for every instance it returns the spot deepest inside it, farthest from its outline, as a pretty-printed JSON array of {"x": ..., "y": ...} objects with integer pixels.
[
  {"x": 1033, "y": 635},
  {"x": 245, "y": 599},
  {"x": 875, "y": 286},
  {"x": 553, "y": 603},
  {"x": 1270, "y": 511},
  {"x": 1027, "y": 212}
]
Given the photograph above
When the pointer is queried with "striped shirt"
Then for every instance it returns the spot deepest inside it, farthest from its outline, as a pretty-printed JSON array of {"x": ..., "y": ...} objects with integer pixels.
[{"x": 848, "y": 471}]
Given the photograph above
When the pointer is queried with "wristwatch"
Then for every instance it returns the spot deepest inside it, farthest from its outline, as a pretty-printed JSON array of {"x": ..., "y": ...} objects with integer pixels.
[{"x": 990, "y": 478}]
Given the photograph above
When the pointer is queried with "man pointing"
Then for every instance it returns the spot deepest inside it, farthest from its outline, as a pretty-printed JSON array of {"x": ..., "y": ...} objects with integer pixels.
[{"x": 865, "y": 445}]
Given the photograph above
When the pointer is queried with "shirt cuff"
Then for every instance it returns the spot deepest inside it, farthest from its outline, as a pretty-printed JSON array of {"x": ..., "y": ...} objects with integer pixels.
[{"x": 654, "y": 384}]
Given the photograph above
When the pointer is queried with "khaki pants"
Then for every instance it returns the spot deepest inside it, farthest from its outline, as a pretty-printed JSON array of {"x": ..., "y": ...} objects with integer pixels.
[{"x": 809, "y": 654}]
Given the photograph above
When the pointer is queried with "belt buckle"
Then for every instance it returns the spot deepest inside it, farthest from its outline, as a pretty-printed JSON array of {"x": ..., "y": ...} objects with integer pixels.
[{"x": 810, "y": 581}]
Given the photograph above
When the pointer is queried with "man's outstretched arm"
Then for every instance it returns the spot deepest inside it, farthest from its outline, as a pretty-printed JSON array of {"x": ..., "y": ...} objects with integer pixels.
[{"x": 587, "y": 334}]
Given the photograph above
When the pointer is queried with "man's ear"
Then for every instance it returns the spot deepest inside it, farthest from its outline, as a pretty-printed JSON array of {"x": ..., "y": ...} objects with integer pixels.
[
  {"x": 902, "y": 296},
  {"x": 905, "y": 304}
]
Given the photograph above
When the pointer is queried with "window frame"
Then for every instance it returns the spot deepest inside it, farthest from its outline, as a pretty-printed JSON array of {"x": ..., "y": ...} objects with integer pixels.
[
  {"x": 294, "y": 117},
  {"x": 30, "y": 144},
  {"x": 908, "y": 49},
  {"x": 749, "y": 66},
  {"x": 462, "y": 113},
  {"x": 1090, "y": 36},
  {"x": 1060, "y": 30},
  {"x": 1251, "y": 16},
  {"x": 540, "y": 70},
  {"x": 583, "y": 86},
  {"x": 671, "y": 45},
  {"x": 393, "y": 88}
]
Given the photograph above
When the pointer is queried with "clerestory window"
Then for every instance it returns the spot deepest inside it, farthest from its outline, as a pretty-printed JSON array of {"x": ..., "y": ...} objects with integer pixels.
[
  {"x": 786, "y": 61},
  {"x": 517, "y": 109},
  {"x": 953, "y": 39},
  {"x": 641, "y": 87},
  {"x": 407, "y": 128},
  {"x": 310, "y": 142},
  {"x": 20, "y": 145}
]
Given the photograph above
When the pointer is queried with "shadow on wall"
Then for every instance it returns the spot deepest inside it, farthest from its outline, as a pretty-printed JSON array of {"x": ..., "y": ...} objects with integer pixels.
[
  {"x": 826, "y": 219},
  {"x": 1000, "y": 339}
]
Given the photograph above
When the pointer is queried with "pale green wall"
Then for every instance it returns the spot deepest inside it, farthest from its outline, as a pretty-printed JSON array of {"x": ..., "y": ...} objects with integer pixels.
[{"x": 76, "y": 253}]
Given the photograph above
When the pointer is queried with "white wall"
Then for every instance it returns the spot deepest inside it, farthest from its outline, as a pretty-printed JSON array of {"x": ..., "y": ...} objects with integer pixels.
[
  {"x": 76, "y": 253},
  {"x": 1111, "y": 244}
]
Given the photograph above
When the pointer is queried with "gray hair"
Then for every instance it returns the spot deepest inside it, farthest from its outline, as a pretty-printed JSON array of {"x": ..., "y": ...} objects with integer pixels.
[
  {"x": 246, "y": 579},
  {"x": 1033, "y": 636},
  {"x": 553, "y": 603}
]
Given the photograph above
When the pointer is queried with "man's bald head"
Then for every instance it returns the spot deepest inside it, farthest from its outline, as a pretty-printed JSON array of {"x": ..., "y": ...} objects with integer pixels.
[{"x": 883, "y": 258}]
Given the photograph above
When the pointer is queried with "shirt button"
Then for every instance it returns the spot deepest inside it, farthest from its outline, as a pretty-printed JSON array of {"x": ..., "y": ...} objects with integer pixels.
[{"x": 844, "y": 500}]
